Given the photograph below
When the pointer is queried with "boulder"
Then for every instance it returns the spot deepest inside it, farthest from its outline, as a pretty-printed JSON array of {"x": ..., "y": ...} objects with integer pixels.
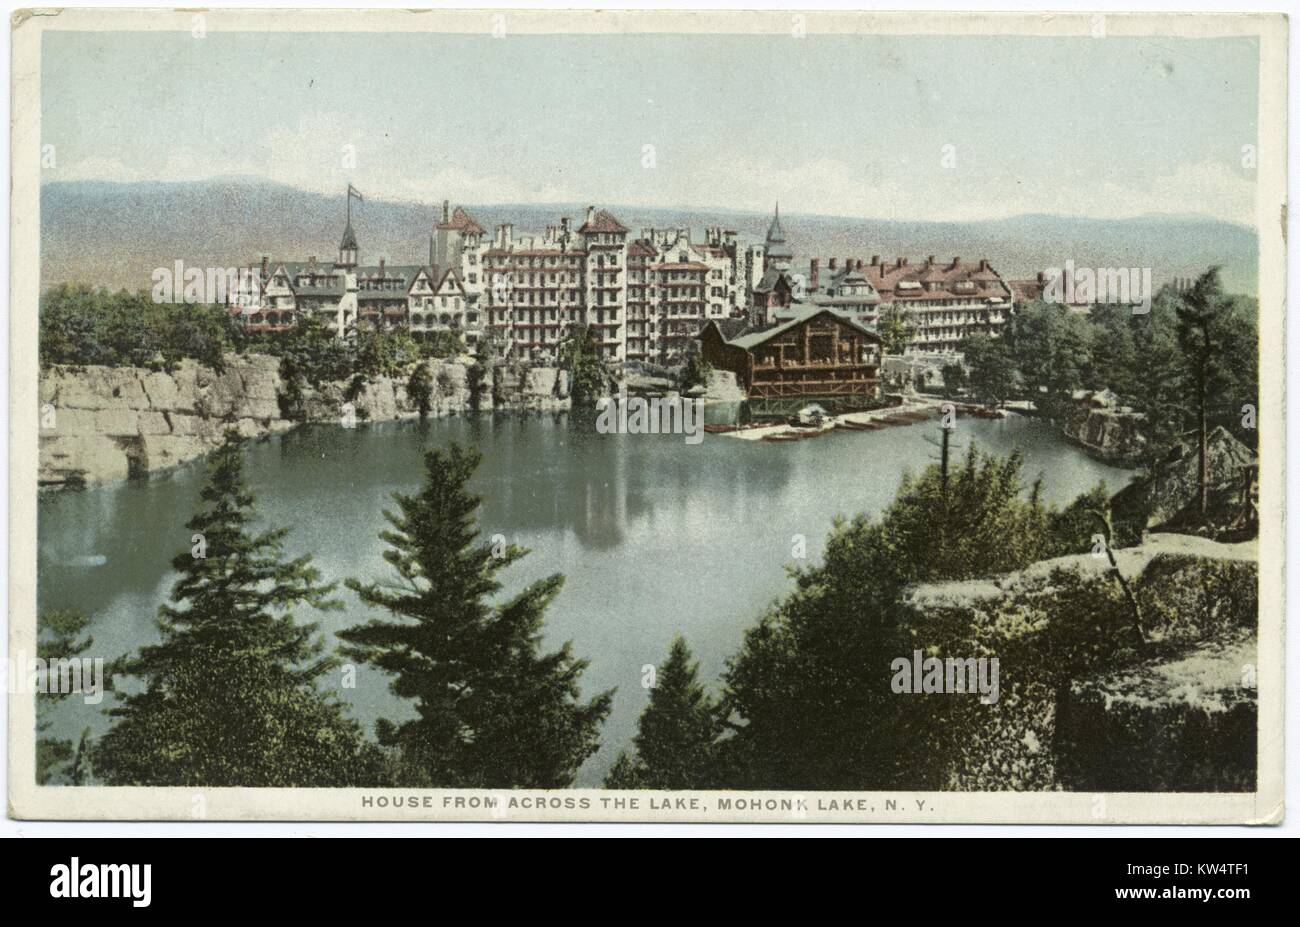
[{"x": 1065, "y": 626}]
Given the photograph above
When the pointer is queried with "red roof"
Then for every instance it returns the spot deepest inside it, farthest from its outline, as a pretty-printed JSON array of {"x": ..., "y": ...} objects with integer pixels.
[
  {"x": 461, "y": 222},
  {"x": 602, "y": 222},
  {"x": 957, "y": 280}
]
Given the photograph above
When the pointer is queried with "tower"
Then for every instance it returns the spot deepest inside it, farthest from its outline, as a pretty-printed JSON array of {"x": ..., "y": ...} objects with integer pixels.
[
  {"x": 348, "y": 250},
  {"x": 777, "y": 253}
]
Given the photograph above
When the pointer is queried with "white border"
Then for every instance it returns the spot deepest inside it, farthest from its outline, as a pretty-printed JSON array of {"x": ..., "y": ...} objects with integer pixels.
[{"x": 357, "y": 829}]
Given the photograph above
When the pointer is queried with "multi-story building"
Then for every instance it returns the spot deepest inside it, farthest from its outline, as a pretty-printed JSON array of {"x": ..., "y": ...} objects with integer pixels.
[
  {"x": 645, "y": 300},
  {"x": 943, "y": 302},
  {"x": 348, "y": 296}
]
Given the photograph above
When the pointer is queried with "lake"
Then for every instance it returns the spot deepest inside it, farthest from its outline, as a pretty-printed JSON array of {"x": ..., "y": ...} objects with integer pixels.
[{"x": 653, "y": 535}]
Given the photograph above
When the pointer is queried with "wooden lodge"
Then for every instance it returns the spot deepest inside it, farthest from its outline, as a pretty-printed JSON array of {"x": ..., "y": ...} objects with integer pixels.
[{"x": 813, "y": 353}]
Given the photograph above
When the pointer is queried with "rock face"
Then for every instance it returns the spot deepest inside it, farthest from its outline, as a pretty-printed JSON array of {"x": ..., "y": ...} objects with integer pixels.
[
  {"x": 722, "y": 387},
  {"x": 1084, "y": 704},
  {"x": 1169, "y": 495},
  {"x": 1185, "y": 723},
  {"x": 1107, "y": 434},
  {"x": 110, "y": 423}
]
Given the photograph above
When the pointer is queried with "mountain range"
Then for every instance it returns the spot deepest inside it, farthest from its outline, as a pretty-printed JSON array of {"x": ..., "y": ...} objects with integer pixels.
[{"x": 116, "y": 234}]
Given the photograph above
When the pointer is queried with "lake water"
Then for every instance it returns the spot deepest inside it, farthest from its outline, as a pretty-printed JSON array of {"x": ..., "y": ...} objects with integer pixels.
[{"x": 653, "y": 535}]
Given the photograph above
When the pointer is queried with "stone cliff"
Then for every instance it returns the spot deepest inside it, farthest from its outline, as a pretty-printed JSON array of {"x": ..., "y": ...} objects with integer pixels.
[
  {"x": 1085, "y": 705},
  {"x": 111, "y": 423},
  {"x": 1112, "y": 435}
]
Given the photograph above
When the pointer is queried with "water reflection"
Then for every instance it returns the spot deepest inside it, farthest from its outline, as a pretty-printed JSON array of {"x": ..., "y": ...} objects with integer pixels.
[{"x": 653, "y": 535}]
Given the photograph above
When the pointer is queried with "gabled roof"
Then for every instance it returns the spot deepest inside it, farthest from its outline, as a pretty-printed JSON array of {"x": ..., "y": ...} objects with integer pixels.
[
  {"x": 751, "y": 339},
  {"x": 460, "y": 221},
  {"x": 454, "y": 276},
  {"x": 951, "y": 281},
  {"x": 730, "y": 328},
  {"x": 602, "y": 222},
  {"x": 770, "y": 278}
]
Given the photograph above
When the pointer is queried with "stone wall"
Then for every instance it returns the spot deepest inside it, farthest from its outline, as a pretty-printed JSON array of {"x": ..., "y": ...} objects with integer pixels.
[{"x": 111, "y": 423}]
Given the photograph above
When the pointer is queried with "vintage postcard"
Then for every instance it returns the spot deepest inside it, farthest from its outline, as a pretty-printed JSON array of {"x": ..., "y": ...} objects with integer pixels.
[{"x": 606, "y": 416}]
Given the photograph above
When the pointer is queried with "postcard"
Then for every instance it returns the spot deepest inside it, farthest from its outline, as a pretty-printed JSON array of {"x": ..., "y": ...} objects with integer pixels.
[{"x": 771, "y": 417}]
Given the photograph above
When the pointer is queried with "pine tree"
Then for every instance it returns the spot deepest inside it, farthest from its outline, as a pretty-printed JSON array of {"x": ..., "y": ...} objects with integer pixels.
[
  {"x": 231, "y": 695},
  {"x": 1202, "y": 319},
  {"x": 677, "y": 735},
  {"x": 419, "y": 389},
  {"x": 492, "y": 710},
  {"x": 59, "y": 639}
]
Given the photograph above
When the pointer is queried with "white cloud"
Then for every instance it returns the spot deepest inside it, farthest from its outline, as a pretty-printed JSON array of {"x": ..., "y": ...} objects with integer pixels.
[{"x": 310, "y": 155}]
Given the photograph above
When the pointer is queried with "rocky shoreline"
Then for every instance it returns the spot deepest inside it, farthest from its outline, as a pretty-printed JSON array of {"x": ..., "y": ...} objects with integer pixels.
[{"x": 100, "y": 424}]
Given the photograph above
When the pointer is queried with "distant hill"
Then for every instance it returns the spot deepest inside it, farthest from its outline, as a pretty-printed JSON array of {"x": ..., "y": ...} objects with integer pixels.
[{"x": 115, "y": 234}]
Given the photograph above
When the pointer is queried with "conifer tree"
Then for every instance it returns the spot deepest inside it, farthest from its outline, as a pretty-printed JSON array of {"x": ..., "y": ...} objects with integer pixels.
[
  {"x": 59, "y": 639},
  {"x": 230, "y": 695},
  {"x": 492, "y": 710},
  {"x": 677, "y": 734}
]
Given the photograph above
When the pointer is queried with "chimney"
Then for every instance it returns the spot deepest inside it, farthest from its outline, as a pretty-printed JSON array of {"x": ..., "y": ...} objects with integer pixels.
[
  {"x": 956, "y": 262},
  {"x": 266, "y": 259},
  {"x": 859, "y": 264},
  {"x": 446, "y": 211},
  {"x": 1042, "y": 277},
  {"x": 381, "y": 267},
  {"x": 591, "y": 213},
  {"x": 875, "y": 260},
  {"x": 984, "y": 263},
  {"x": 812, "y": 273},
  {"x": 848, "y": 263},
  {"x": 312, "y": 262},
  {"x": 833, "y": 263}
]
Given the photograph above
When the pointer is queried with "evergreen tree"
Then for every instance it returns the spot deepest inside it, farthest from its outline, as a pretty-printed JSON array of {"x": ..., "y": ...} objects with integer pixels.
[
  {"x": 676, "y": 741},
  {"x": 230, "y": 695},
  {"x": 419, "y": 388},
  {"x": 992, "y": 371},
  {"x": 895, "y": 331},
  {"x": 59, "y": 639},
  {"x": 492, "y": 710},
  {"x": 805, "y": 712},
  {"x": 1205, "y": 332},
  {"x": 580, "y": 356}
]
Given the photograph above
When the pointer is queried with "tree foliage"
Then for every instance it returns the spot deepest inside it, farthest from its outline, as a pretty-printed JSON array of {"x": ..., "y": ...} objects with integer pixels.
[
  {"x": 80, "y": 325},
  {"x": 230, "y": 693},
  {"x": 676, "y": 745},
  {"x": 580, "y": 356},
  {"x": 59, "y": 638},
  {"x": 492, "y": 709},
  {"x": 895, "y": 331},
  {"x": 805, "y": 714}
]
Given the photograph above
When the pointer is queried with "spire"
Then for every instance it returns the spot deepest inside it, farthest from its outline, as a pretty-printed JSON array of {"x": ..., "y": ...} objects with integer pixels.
[
  {"x": 778, "y": 253},
  {"x": 774, "y": 231},
  {"x": 349, "y": 242}
]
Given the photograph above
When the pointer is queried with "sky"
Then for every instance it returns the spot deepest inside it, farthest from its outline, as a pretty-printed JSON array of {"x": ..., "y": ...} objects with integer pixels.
[{"x": 886, "y": 127}]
